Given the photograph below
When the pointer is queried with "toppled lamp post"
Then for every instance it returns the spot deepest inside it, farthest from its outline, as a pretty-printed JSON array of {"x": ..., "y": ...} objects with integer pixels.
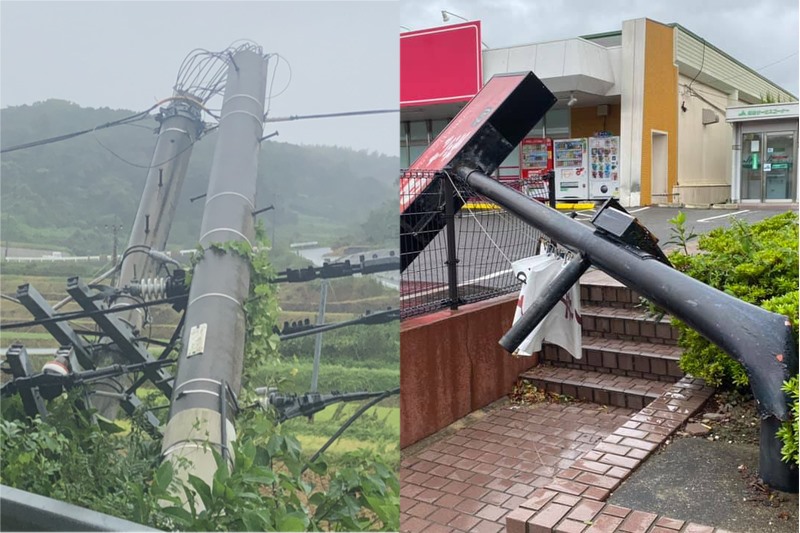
[{"x": 483, "y": 134}]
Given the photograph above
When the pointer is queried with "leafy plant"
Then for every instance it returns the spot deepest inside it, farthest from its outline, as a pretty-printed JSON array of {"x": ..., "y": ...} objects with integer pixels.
[
  {"x": 788, "y": 433},
  {"x": 118, "y": 477},
  {"x": 756, "y": 263},
  {"x": 679, "y": 235}
]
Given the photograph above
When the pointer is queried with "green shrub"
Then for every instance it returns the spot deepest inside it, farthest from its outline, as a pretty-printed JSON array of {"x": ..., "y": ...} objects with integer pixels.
[
  {"x": 756, "y": 263},
  {"x": 272, "y": 486},
  {"x": 788, "y": 433}
]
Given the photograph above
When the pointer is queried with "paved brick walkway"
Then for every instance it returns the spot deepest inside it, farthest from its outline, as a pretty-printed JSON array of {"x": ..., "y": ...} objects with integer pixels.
[{"x": 468, "y": 481}]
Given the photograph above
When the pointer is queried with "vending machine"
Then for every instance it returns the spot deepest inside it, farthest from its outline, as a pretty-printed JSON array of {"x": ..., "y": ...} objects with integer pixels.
[
  {"x": 603, "y": 167},
  {"x": 570, "y": 165},
  {"x": 535, "y": 165},
  {"x": 535, "y": 157}
]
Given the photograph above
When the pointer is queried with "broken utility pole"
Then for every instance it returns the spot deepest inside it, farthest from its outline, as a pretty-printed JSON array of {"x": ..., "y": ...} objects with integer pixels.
[{"x": 210, "y": 365}]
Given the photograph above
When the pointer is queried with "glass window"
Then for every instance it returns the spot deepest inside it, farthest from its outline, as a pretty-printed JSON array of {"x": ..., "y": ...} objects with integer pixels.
[
  {"x": 510, "y": 166},
  {"x": 415, "y": 152},
  {"x": 557, "y": 123},
  {"x": 538, "y": 130},
  {"x": 404, "y": 159},
  {"x": 418, "y": 131},
  {"x": 437, "y": 126}
]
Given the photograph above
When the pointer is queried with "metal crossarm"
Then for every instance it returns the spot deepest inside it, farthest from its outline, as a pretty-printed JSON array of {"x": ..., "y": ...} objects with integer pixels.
[
  {"x": 32, "y": 401},
  {"x": 35, "y": 303},
  {"x": 121, "y": 334}
]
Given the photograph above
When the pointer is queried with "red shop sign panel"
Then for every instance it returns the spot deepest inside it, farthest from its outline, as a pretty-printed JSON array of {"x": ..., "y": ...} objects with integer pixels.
[{"x": 440, "y": 65}]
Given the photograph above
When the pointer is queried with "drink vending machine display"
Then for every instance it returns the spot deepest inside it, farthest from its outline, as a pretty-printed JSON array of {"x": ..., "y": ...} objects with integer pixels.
[
  {"x": 570, "y": 162},
  {"x": 535, "y": 161},
  {"x": 535, "y": 157},
  {"x": 603, "y": 167}
]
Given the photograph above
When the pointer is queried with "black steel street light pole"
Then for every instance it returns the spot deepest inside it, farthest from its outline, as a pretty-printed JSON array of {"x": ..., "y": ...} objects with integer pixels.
[{"x": 761, "y": 340}]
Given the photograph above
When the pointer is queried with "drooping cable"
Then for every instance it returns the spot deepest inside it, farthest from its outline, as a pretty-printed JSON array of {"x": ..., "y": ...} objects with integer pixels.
[
  {"x": 83, "y": 314},
  {"x": 363, "y": 409}
]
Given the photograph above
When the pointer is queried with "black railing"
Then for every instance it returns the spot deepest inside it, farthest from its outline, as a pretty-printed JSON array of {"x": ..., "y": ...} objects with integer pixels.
[{"x": 469, "y": 259}]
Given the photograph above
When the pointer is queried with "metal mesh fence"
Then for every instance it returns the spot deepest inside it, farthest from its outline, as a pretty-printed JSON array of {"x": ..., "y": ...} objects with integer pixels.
[{"x": 483, "y": 240}]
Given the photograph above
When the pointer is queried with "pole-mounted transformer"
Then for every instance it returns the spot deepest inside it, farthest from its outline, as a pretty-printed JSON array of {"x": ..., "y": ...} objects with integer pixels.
[{"x": 210, "y": 364}]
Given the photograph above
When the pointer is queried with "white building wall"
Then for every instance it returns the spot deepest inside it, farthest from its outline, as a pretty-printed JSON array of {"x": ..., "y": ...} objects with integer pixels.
[
  {"x": 631, "y": 111},
  {"x": 563, "y": 66},
  {"x": 704, "y": 150},
  {"x": 694, "y": 55}
]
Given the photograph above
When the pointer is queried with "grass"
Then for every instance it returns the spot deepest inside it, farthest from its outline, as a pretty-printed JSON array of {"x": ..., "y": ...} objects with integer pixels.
[
  {"x": 383, "y": 423},
  {"x": 377, "y": 430},
  {"x": 11, "y": 336}
]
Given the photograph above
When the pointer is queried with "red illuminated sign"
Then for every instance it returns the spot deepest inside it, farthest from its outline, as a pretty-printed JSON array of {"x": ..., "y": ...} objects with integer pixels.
[
  {"x": 457, "y": 134},
  {"x": 440, "y": 65}
]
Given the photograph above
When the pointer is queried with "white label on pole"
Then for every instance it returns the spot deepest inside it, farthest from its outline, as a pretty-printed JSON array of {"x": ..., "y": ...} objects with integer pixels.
[
  {"x": 197, "y": 340},
  {"x": 767, "y": 167},
  {"x": 754, "y": 146}
]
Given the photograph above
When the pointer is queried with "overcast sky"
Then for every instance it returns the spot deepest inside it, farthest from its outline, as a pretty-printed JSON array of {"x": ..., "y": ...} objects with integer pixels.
[
  {"x": 757, "y": 33},
  {"x": 343, "y": 56}
]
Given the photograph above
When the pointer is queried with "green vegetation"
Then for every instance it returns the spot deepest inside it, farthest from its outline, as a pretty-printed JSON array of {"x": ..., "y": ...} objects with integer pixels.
[
  {"x": 57, "y": 269},
  {"x": 294, "y": 376},
  {"x": 756, "y": 263},
  {"x": 789, "y": 432},
  {"x": 64, "y": 194},
  {"x": 268, "y": 489},
  {"x": 114, "y": 468}
]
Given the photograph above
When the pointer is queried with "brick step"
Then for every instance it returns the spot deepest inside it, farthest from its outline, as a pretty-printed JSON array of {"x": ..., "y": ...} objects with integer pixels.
[
  {"x": 623, "y": 358},
  {"x": 598, "y": 387},
  {"x": 600, "y": 289},
  {"x": 626, "y": 324}
]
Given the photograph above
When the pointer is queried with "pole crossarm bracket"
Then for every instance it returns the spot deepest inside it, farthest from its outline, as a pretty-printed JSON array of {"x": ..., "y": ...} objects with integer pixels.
[
  {"x": 120, "y": 333},
  {"x": 35, "y": 303}
]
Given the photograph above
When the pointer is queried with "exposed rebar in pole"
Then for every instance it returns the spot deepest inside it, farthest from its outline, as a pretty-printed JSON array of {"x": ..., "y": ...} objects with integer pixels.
[
  {"x": 213, "y": 339},
  {"x": 323, "y": 302},
  {"x": 180, "y": 127}
]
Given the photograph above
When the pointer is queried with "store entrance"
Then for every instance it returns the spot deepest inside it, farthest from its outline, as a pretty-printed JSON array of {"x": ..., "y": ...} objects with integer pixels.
[{"x": 768, "y": 170}]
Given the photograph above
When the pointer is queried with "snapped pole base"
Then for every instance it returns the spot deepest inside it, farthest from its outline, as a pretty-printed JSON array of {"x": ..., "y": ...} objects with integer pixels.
[{"x": 774, "y": 472}]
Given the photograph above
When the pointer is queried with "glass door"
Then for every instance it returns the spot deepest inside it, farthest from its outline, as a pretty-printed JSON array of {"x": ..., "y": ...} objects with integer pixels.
[
  {"x": 768, "y": 170},
  {"x": 779, "y": 176},
  {"x": 751, "y": 166}
]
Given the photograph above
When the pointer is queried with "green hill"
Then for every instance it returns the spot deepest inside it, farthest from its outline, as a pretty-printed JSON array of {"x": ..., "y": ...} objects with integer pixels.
[{"x": 63, "y": 194}]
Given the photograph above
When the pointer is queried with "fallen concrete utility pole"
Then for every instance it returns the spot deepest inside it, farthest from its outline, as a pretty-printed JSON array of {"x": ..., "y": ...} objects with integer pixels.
[
  {"x": 180, "y": 127},
  {"x": 210, "y": 364}
]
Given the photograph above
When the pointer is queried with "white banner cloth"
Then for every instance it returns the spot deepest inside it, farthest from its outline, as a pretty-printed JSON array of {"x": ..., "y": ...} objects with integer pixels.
[{"x": 562, "y": 326}]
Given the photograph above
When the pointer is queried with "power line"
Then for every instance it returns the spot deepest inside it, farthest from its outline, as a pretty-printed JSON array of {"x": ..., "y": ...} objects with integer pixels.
[
  {"x": 123, "y": 121},
  {"x": 83, "y": 314},
  {"x": 66, "y": 136},
  {"x": 332, "y": 115}
]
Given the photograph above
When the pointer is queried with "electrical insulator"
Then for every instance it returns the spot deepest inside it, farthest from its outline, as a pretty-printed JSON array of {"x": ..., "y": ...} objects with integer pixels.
[
  {"x": 160, "y": 288},
  {"x": 150, "y": 288}
]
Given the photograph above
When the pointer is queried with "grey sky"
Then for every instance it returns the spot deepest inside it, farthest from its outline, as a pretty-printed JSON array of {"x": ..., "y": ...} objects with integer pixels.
[
  {"x": 343, "y": 55},
  {"x": 756, "y": 33}
]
